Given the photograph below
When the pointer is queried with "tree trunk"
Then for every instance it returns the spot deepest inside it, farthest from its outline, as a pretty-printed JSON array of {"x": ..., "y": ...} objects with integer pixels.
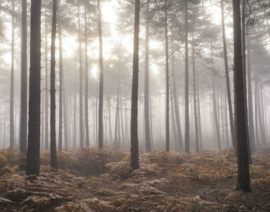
[
  {"x": 46, "y": 88},
  {"x": 146, "y": 84},
  {"x": 86, "y": 80},
  {"x": 110, "y": 116},
  {"x": 53, "y": 104},
  {"x": 187, "y": 142},
  {"x": 23, "y": 119},
  {"x": 167, "y": 123},
  {"x": 243, "y": 181},
  {"x": 194, "y": 91},
  {"x": 81, "y": 76},
  {"x": 232, "y": 127},
  {"x": 134, "y": 97},
  {"x": 100, "y": 112},
  {"x": 250, "y": 102},
  {"x": 11, "y": 123},
  {"x": 60, "y": 141},
  {"x": 199, "y": 118},
  {"x": 75, "y": 118},
  {"x": 33, "y": 156}
]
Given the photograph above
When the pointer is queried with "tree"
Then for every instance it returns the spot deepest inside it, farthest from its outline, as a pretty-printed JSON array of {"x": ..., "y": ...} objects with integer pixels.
[
  {"x": 134, "y": 96},
  {"x": 60, "y": 141},
  {"x": 167, "y": 124},
  {"x": 187, "y": 142},
  {"x": 33, "y": 156},
  {"x": 11, "y": 115},
  {"x": 53, "y": 106},
  {"x": 243, "y": 180},
  {"x": 86, "y": 80},
  {"x": 23, "y": 118},
  {"x": 100, "y": 112},
  {"x": 146, "y": 82}
]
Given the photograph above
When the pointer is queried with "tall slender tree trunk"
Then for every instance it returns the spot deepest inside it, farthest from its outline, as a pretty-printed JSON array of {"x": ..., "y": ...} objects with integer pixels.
[
  {"x": 244, "y": 70},
  {"x": 261, "y": 116},
  {"x": 53, "y": 103},
  {"x": 60, "y": 141},
  {"x": 146, "y": 83},
  {"x": 75, "y": 118},
  {"x": 46, "y": 87},
  {"x": 243, "y": 181},
  {"x": 232, "y": 127},
  {"x": 256, "y": 109},
  {"x": 100, "y": 112},
  {"x": 66, "y": 108},
  {"x": 134, "y": 96},
  {"x": 110, "y": 116},
  {"x": 187, "y": 135},
  {"x": 33, "y": 156},
  {"x": 81, "y": 76},
  {"x": 199, "y": 118},
  {"x": 11, "y": 123},
  {"x": 194, "y": 90},
  {"x": 86, "y": 80},
  {"x": 23, "y": 118},
  {"x": 250, "y": 102},
  {"x": 167, "y": 113}
]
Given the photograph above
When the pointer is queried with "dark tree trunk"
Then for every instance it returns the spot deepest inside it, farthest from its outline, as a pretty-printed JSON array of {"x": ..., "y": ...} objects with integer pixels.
[
  {"x": 53, "y": 103},
  {"x": 146, "y": 84},
  {"x": 60, "y": 141},
  {"x": 86, "y": 81},
  {"x": 187, "y": 136},
  {"x": 100, "y": 112},
  {"x": 244, "y": 70},
  {"x": 243, "y": 181},
  {"x": 134, "y": 96},
  {"x": 232, "y": 127},
  {"x": 23, "y": 119},
  {"x": 81, "y": 76},
  {"x": 167, "y": 123},
  {"x": 11, "y": 123},
  {"x": 250, "y": 102},
  {"x": 33, "y": 156}
]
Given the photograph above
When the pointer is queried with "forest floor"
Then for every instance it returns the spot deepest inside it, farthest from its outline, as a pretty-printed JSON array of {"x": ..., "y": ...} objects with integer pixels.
[{"x": 100, "y": 180}]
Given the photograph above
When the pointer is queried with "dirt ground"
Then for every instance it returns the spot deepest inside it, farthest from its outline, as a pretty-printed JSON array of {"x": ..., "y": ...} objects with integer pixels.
[{"x": 166, "y": 181}]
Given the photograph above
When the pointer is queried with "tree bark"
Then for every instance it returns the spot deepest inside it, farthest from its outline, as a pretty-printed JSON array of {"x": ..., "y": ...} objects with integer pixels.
[
  {"x": 53, "y": 104},
  {"x": 146, "y": 83},
  {"x": 134, "y": 97},
  {"x": 33, "y": 156},
  {"x": 60, "y": 141},
  {"x": 243, "y": 180},
  {"x": 23, "y": 118},
  {"x": 250, "y": 102},
  {"x": 100, "y": 112}
]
